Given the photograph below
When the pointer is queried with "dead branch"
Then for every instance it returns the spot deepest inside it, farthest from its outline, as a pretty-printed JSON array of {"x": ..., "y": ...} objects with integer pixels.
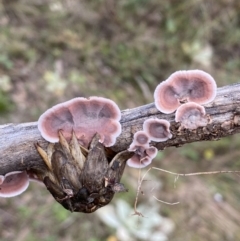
[{"x": 17, "y": 140}]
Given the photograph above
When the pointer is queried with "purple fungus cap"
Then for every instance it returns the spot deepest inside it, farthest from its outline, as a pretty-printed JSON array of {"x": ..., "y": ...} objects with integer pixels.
[
  {"x": 13, "y": 183},
  {"x": 85, "y": 117},
  {"x": 137, "y": 161},
  {"x": 191, "y": 116},
  {"x": 157, "y": 129},
  {"x": 54, "y": 119},
  {"x": 140, "y": 139},
  {"x": 143, "y": 159},
  {"x": 164, "y": 98},
  {"x": 152, "y": 152},
  {"x": 183, "y": 86}
]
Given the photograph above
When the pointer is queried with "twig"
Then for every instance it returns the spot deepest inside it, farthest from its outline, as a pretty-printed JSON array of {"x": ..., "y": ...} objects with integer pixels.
[
  {"x": 165, "y": 202},
  {"x": 194, "y": 173},
  {"x": 140, "y": 180},
  {"x": 17, "y": 140}
]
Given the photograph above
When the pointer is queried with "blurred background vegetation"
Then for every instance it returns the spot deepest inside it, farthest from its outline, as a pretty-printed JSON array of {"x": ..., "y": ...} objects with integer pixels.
[{"x": 52, "y": 51}]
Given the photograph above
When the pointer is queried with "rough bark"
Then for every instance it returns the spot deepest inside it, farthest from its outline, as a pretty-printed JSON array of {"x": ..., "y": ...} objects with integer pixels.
[{"x": 17, "y": 150}]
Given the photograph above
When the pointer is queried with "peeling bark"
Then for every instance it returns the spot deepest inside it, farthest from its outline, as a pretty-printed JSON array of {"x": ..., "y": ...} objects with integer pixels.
[{"x": 17, "y": 140}]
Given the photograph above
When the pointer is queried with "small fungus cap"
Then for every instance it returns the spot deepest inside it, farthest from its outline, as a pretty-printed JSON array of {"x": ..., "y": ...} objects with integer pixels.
[
  {"x": 13, "y": 183},
  {"x": 85, "y": 117},
  {"x": 144, "y": 159},
  {"x": 139, "y": 162},
  {"x": 183, "y": 86},
  {"x": 191, "y": 116},
  {"x": 152, "y": 152},
  {"x": 157, "y": 129},
  {"x": 140, "y": 139}
]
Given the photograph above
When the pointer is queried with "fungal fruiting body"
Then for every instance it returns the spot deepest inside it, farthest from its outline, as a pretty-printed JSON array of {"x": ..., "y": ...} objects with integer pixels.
[
  {"x": 142, "y": 157},
  {"x": 191, "y": 116},
  {"x": 80, "y": 179},
  {"x": 82, "y": 172},
  {"x": 184, "y": 86},
  {"x": 13, "y": 183},
  {"x": 139, "y": 146},
  {"x": 152, "y": 151},
  {"x": 157, "y": 129},
  {"x": 140, "y": 140},
  {"x": 154, "y": 129},
  {"x": 85, "y": 117},
  {"x": 164, "y": 97}
]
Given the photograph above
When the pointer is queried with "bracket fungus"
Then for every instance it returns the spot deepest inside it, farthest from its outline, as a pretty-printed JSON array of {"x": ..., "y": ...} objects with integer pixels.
[
  {"x": 85, "y": 117},
  {"x": 153, "y": 130},
  {"x": 142, "y": 157},
  {"x": 143, "y": 153},
  {"x": 184, "y": 86},
  {"x": 82, "y": 173},
  {"x": 13, "y": 183},
  {"x": 140, "y": 139},
  {"x": 191, "y": 116},
  {"x": 152, "y": 152},
  {"x": 157, "y": 129}
]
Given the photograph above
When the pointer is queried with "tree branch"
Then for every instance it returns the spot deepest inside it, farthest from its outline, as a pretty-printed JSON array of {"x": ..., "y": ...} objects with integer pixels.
[{"x": 17, "y": 140}]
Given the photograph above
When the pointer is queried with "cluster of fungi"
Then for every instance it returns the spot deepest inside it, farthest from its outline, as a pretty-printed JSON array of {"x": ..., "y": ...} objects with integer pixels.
[
  {"x": 157, "y": 130},
  {"x": 184, "y": 92},
  {"x": 82, "y": 172}
]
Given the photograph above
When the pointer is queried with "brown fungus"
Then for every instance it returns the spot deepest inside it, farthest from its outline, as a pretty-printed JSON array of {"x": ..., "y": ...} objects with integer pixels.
[
  {"x": 191, "y": 116},
  {"x": 85, "y": 117},
  {"x": 13, "y": 183},
  {"x": 184, "y": 86},
  {"x": 157, "y": 129}
]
